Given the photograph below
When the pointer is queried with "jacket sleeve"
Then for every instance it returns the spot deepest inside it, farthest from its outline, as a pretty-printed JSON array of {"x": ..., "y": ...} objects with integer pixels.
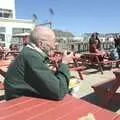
[{"x": 47, "y": 83}]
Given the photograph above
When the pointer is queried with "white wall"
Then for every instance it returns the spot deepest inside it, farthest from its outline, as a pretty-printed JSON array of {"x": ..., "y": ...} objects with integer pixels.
[
  {"x": 8, "y": 4},
  {"x": 13, "y": 24}
]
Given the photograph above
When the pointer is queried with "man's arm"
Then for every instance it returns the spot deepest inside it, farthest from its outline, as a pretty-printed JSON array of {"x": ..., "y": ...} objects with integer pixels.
[{"x": 48, "y": 84}]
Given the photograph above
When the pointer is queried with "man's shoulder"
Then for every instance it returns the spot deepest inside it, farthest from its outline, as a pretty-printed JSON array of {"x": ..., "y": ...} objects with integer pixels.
[
  {"x": 27, "y": 50},
  {"x": 30, "y": 52}
]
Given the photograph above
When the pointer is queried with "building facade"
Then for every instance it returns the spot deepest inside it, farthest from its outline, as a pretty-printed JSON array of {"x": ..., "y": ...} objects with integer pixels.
[{"x": 9, "y": 25}]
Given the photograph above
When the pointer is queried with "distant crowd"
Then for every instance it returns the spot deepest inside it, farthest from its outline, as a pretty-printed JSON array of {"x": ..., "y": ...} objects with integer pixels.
[{"x": 95, "y": 47}]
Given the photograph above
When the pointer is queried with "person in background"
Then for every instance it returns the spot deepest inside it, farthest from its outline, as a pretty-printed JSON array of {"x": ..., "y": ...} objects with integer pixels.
[
  {"x": 13, "y": 47},
  {"x": 117, "y": 44},
  {"x": 25, "y": 40},
  {"x": 29, "y": 74},
  {"x": 116, "y": 40},
  {"x": 95, "y": 47},
  {"x": 113, "y": 53},
  {"x": 94, "y": 37}
]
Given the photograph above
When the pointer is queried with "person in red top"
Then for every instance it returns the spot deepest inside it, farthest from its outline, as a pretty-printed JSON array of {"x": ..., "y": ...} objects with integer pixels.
[
  {"x": 93, "y": 37},
  {"x": 94, "y": 49}
]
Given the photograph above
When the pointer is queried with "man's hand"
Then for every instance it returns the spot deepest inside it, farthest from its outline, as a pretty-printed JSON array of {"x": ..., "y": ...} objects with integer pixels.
[{"x": 68, "y": 58}]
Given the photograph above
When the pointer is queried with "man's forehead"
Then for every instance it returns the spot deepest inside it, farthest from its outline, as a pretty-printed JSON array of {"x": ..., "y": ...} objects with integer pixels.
[
  {"x": 44, "y": 29},
  {"x": 45, "y": 32}
]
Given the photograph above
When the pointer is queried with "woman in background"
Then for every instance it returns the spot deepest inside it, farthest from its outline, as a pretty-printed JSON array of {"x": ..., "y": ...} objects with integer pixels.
[
  {"x": 95, "y": 47},
  {"x": 94, "y": 37}
]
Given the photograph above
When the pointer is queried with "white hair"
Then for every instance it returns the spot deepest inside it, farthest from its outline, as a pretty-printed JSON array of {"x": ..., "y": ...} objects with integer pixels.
[{"x": 39, "y": 33}]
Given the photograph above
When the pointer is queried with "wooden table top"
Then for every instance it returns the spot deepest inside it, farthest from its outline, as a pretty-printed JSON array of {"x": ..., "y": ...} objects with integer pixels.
[{"x": 27, "y": 108}]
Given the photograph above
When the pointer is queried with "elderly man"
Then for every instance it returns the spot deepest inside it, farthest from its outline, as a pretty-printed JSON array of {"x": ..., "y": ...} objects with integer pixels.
[{"x": 29, "y": 75}]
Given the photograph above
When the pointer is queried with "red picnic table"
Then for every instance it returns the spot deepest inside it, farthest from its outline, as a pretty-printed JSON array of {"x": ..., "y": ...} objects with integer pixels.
[
  {"x": 118, "y": 118},
  {"x": 94, "y": 59},
  {"x": 28, "y": 108},
  {"x": 4, "y": 54},
  {"x": 4, "y": 62},
  {"x": 3, "y": 69},
  {"x": 73, "y": 61},
  {"x": 106, "y": 91},
  {"x": 4, "y": 66},
  {"x": 14, "y": 53}
]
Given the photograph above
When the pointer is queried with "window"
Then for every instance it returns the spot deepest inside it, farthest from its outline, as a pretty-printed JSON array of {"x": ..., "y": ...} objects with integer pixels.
[
  {"x": 2, "y": 29},
  {"x": 6, "y": 13},
  {"x": 2, "y": 37},
  {"x": 20, "y": 30}
]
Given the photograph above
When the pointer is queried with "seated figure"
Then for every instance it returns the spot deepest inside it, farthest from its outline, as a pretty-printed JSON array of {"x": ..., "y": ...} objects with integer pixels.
[{"x": 93, "y": 49}]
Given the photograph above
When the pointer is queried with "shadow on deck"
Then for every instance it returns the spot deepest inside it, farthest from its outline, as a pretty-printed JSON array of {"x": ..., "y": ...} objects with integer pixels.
[{"x": 113, "y": 105}]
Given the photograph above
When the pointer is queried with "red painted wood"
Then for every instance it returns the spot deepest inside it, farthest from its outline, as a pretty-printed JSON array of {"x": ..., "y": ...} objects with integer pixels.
[
  {"x": 59, "y": 110},
  {"x": 26, "y": 109},
  {"x": 14, "y": 102},
  {"x": 87, "y": 108},
  {"x": 1, "y": 85},
  {"x": 69, "y": 108},
  {"x": 78, "y": 68},
  {"x": 117, "y": 118},
  {"x": 105, "y": 115},
  {"x": 4, "y": 62}
]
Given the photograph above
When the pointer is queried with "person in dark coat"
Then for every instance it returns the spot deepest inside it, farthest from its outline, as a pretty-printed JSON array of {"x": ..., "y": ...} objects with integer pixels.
[
  {"x": 29, "y": 74},
  {"x": 117, "y": 44}
]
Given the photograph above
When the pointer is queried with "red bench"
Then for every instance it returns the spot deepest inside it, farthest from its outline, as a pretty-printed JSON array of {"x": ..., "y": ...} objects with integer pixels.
[
  {"x": 72, "y": 63},
  {"x": 3, "y": 73},
  {"x": 93, "y": 59},
  {"x": 103, "y": 89},
  {"x": 78, "y": 67},
  {"x": 106, "y": 91}
]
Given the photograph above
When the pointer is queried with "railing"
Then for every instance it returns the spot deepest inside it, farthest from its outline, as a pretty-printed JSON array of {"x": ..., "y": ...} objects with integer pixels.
[{"x": 84, "y": 47}]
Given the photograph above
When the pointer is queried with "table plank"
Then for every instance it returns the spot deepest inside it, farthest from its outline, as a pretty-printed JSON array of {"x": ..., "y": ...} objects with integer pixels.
[
  {"x": 26, "y": 108},
  {"x": 85, "y": 109},
  {"x": 14, "y": 102},
  {"x": 117, "y": 118},
  {"x": 58, "y": 111}
]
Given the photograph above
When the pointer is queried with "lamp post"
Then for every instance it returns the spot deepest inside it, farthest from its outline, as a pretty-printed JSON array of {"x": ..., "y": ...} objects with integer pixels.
[
  {"x": 47, "y": 23},
  {"x": 50, "y": 18}
]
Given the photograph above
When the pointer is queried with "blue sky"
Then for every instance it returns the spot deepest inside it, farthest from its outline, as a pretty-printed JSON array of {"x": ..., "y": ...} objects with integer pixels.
[{"x": 77, "y": 16}]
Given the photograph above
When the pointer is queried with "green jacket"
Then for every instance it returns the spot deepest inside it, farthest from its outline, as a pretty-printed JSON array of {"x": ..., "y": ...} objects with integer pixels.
[{"x": 29, "y": 75}]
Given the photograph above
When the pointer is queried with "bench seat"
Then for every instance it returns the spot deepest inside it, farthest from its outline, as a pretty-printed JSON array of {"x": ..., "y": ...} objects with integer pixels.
[{"x": 103, "y": 90}]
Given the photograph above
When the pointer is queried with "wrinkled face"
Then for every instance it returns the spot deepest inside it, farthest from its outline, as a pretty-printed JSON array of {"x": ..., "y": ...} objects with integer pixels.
[
  {"x": 47, "y": 38},
  {"x": 49, "y": 41}
]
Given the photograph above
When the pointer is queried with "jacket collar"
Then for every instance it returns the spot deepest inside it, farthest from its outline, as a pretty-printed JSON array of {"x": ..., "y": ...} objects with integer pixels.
[{"x": 34, "y": 47}]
